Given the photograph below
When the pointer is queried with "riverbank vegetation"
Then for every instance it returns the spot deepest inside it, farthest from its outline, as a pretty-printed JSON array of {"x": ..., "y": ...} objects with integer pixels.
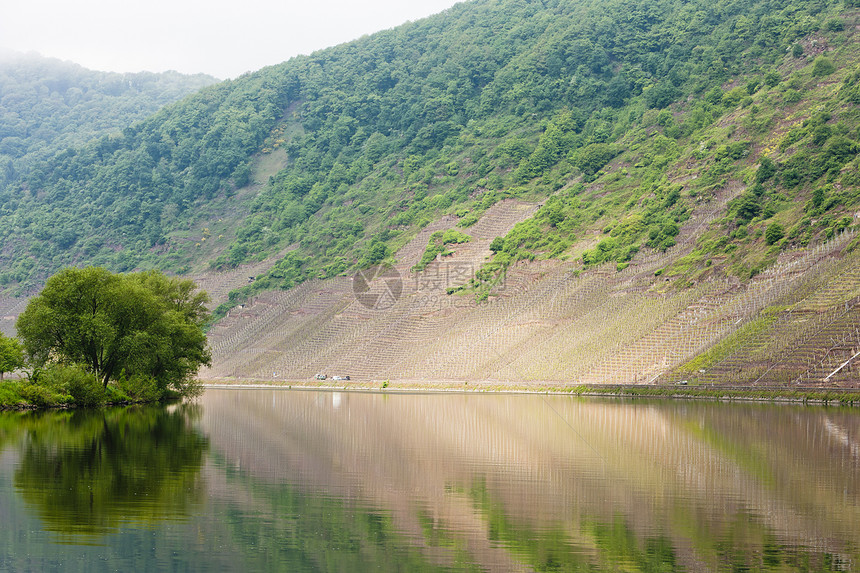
[
  {"x": 92, "y": 337},
  {"x": 821, "y": 395},
  {"x": 812, "y": 395}
]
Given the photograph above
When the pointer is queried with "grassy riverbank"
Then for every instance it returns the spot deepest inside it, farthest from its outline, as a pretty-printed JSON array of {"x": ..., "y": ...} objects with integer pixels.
[
  {"x": 700, "y": 392},
  {"x": 22, "y": 395},
  {"x": 25, "y": 395}
]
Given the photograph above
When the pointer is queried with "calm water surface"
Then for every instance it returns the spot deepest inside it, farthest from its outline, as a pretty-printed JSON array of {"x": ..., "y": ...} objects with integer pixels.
[{"x": 280, "y": 480}]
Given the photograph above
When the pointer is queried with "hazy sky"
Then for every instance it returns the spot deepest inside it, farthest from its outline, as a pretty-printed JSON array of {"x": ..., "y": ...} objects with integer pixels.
[{"x": 218, "y": 37}]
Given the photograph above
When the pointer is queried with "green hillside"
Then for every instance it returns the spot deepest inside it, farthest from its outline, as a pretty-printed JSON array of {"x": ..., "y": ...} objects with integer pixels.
[
  {"x": 678, "y": 156},
  {"x": 452, "y": 113},
  {"x": 47, "y": 105}
]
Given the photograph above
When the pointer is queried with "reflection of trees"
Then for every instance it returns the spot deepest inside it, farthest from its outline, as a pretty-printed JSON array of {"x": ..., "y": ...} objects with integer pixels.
[
  {"x": 585, "y": 484},
  {"x": 285, "y": 529},
  {"x": 10, "y": 426},
  {"x": 599, "y": 544},
  {"x": 88, "y": 471}
]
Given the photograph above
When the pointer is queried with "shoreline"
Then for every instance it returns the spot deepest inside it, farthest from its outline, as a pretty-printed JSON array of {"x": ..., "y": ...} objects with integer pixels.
[
  {"x": 798, "y": 395},
  {"x": 814, "y": 395}
]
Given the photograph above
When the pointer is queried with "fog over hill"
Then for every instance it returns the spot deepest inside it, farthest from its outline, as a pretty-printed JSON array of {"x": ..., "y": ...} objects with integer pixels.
[{"x": 48, "y": 105}]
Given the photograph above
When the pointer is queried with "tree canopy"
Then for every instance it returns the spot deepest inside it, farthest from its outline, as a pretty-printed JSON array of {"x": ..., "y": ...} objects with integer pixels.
[
  {"x": 11, "y": 355},
  {"x": 47, "y": 105},
  {"x": 139, "y": 324}
]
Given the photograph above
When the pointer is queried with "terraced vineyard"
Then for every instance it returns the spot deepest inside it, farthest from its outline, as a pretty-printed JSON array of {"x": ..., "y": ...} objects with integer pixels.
[
  {"x": 10, "y": 308},
  {"x": 797, "y": 323},
  {"x": 551, "y": 324},
  {"x": 809, "y": 330}
]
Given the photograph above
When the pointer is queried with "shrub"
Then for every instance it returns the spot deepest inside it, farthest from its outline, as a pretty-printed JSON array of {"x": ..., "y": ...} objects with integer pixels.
[
  {"x": 772, "y": 78},
  {"x": 141, "y": 388},
  {"x": 593, "y": 157},
  {"x": 10, "y": 395},
  {"x": 38, "y": 395},
  {"x": 823, "y": 66},
  {"x": 468, "y": 220},
  {"x": 767, "y": 169},
  {"x": 437, "y": 246},
  {"x": 87, "y": 391},
  {"x": 774, "y": 233},
  {"x": 82, "y": 386},
  {"x": 747, "y": 206},
  {"x": 835, "y": 25}
]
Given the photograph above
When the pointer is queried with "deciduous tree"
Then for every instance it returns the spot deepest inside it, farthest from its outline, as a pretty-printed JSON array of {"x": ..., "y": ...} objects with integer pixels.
[
  {"x": 11, "y": 355},
  {"x": 137, "y": 324}
]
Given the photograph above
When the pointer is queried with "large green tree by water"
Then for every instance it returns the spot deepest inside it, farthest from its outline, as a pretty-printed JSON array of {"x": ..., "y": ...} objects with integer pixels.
[{"x": 138, "y": 324}]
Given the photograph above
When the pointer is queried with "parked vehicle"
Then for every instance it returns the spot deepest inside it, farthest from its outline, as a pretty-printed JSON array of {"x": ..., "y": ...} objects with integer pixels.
[
  {"x": 321, "y": 376},
  {"x": 340, "y": 377}
]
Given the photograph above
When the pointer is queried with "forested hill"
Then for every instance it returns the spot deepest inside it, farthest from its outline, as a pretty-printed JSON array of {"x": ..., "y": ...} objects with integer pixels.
[
  {"x": 47, "y": 105},
  {"x": 627, "y": 112}
]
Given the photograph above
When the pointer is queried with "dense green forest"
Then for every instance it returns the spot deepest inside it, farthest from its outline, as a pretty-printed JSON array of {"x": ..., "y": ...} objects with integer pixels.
[
  {"x": 596, "y": 109},
  {"x": 47, "y": 105}
]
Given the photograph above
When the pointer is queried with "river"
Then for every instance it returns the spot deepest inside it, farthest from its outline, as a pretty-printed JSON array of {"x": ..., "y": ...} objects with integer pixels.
[{"x": 289, "y": 480}]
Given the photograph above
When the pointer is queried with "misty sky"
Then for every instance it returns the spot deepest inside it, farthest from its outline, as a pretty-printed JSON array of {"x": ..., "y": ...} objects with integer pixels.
[{"x": 217, "y": 37}]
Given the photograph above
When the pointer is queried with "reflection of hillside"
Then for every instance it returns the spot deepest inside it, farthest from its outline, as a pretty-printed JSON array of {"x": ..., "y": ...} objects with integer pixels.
[{"x": 698, "y": 474}]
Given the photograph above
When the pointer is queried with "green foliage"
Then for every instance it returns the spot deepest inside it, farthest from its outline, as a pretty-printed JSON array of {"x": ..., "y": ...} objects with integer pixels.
[
  {"x": 661, "y": 95},
  {"x": 772, "y": 78},
  {"x": 143, "y": 324},
  {"x": 48, "y": 106},
  {"x": 11, "y": 355},
  {"x": 746, "y": 207},
  {"x": 377, "y": 251},
  {"x": 83, "y": 387},
  {"x": 374, "y": 139},
  {"x": 823, "y": 66},
  {"x": 774, "y": 233},
  {"x": 593, "y": 157},
  {"x": 437, "y": 245},
  {"x": 468, "y": 220},
  {"x": 139, "y": 387},
  {"x": 10, "y": 396},
  {"x": 834, "y": 25},
  {"x": 744, "y": 335},
  {"x": 41, "y": 396},
  {"x": 767, "y": 169}
]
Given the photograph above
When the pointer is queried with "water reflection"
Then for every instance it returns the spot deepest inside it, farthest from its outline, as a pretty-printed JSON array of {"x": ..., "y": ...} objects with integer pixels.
[
  {"x": 279, "y": 480},
  {"x": 547, "y": 483},
  {"x": 86, "y": 472}
]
